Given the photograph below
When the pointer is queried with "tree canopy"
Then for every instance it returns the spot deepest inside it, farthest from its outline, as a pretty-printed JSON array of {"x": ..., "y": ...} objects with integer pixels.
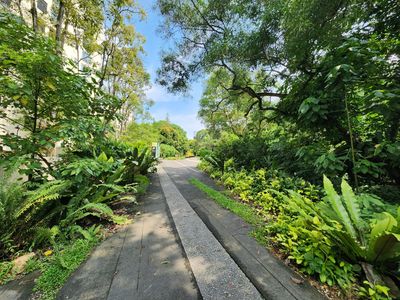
[
  {"x": 327, "y": 70},
  {"x": 163, "y": 132}
]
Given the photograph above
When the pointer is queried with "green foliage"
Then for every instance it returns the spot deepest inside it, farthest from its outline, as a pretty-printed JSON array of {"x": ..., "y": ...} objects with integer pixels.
[
  {"x": 46, "y": 236},
  {"x": 45, "y": 95},
  {"x": 266, "y": 189},
  {"x": 329, "y": 238},
  {"x": 373, "y": 240},
  {"x": 168, "y": 151},
  {"x": 141, "y": 134},
  {"x": 202, "y": 143},
  {"x": 90, "y": 234},
  {"x": 99, "y": 210},
  {"x": 138, "y": 163},
  {"x": 216, "y": 162},
  {"x": 82, "y": 193},
  {"x": 302, "y": 91},
  {"x": 32, "y": 264},
  {"x": 309, "y": 248},
  {"x": 49, "y": 100},
  {"x": 41, "y": 200},
  {"x": 347, "y": 227},
  {"x": 11, "y": 199},
  {"x": 309, "y": 88},
  {"x": 374, "y": 291},
  {"x": 172, "y": 136},
  {"x": 57, "y": 268},
  {"x": 143, "y": 183},
  {"x": 6, "y": 271},
  {"x": 247, "y": 213}
]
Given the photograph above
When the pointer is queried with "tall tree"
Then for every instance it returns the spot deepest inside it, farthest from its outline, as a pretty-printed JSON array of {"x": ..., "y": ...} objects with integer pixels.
[
  {"x": 42, "y": 96},
  {"x": 121, "y": 72},
  {"x": 332, "y": 69}
]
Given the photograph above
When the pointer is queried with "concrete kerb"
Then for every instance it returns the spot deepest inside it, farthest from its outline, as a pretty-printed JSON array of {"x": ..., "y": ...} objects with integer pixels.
[{"x": 217, "y": 275}]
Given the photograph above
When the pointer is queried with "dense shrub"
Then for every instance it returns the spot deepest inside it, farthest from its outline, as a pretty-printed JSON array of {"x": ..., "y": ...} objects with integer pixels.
[
  {"x": 336, "y": 238},
  {"x": 84, "y": 187},
  {"x": 168, "y": 151}
]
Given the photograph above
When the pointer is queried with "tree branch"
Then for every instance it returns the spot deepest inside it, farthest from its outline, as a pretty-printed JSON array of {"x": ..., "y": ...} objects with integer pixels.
[{"x": 215, "y": 28}]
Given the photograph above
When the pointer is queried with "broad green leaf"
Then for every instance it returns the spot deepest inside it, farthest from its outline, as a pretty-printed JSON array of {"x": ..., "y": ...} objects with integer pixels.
[
  {"x": 337, "y": 206},
  {"x": 384, "y": 224},
  {"x": 383, "y": 248}
]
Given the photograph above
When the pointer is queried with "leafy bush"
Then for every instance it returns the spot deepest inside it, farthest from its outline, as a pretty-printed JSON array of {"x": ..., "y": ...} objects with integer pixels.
[
  {"x": 11, "y": 200},
  {"x": 168, "y": 151},
  {"x": 320, "y": 237},
  {"x": 83, "y": 189},
  {"x": 143, "y": 182},
  {"x": 368, "y": 241},
  {"x": 374, "y": 291}
]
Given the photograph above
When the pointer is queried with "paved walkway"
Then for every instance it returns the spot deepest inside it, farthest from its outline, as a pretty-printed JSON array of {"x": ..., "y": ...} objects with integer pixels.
[
  {"x": 145, "y": 261},
  {"x": 272, "y": 278},
  {"x": 183, "y": 246},
  {"x": 217, "y": 275}
]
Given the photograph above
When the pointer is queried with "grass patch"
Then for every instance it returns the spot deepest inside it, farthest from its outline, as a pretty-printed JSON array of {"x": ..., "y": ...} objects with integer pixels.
[
  {"x": 244, "y": 211},
  {"x": 57, "y": 268},
  {"x": 6, "y": 273}
]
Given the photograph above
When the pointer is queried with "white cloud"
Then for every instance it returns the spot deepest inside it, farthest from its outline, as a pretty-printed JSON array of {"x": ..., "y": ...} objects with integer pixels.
[{"x": 158, "y": 93}]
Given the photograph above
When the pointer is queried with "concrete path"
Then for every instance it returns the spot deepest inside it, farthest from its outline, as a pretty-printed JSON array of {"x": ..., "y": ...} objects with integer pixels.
[
  {"x": 20, "y": 289},
  {"x": 272, "y": 278},
  {"x": 145, "y": 261},
  {"x": 217, "y": 275},
  {"x": 182, "y": 246}
]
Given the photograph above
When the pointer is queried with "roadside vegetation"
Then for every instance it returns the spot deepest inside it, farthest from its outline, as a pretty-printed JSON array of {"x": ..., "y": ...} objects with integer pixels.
[
  {"x": 55, "y": 207},
  {"x": 302, "y": 124},
  {"x": 244, "y": 211},
  {"x": 172, "y": 138}
]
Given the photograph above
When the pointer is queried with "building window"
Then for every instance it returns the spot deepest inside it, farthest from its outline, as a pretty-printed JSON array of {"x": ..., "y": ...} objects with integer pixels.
[{"x": 42, "y": 5}]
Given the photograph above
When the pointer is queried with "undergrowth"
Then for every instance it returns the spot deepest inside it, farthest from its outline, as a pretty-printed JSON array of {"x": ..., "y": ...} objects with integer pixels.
[
  {"x": 244, "y": 211},
  {"x": 57, "y": 268}
]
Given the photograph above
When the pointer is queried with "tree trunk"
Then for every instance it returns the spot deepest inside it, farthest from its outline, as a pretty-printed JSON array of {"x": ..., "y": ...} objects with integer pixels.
[
  {"x": 34, "y": 16},
  {"x": 63, "y": 34},
  {"x": 20, "y": 9},
  {"x": 60, "y": 20}
]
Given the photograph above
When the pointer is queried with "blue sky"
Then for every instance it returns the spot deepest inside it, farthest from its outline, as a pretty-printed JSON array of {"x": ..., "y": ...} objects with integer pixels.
[{"x": 181, "y": 110}]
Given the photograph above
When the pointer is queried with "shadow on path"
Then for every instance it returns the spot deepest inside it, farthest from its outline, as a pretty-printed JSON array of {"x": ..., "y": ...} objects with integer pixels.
[
  {"x": 272, "y": 278},
  {"x": 144, "y": 261}
]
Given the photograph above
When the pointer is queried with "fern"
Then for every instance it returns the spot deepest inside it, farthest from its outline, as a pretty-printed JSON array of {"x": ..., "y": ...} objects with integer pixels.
[
  {"x": 377, "y": 243},
  {"x": 37, "y": 199},
  {"x": 91, "y": 233},
  {"x": 99, "y": 210},
  {"x": 11, "y": 199},
  {"x": 336, "y": 204},
  {"x": 45, "y": 236}
]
